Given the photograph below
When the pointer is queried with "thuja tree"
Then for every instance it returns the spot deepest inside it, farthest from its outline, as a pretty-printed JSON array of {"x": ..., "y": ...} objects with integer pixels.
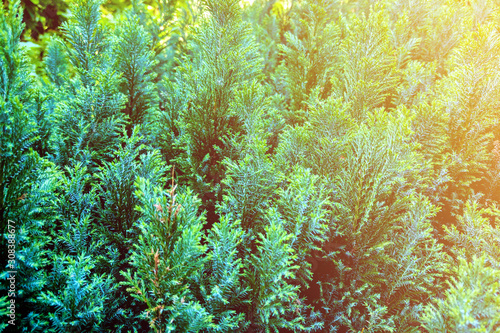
[
  {"x": 470, "y": 304},
  {"x": 87, "y": 117},
  {"x": 284, "y": 220},
  {"x": 330, "y": 144},
  {"x": 310, "y": 54},
  {"x": 468, "y": 94},
  {"x": 368, "y": 75},
  {"x": 78, "y": 286},
  {"x": 476, "y": 233},
  {"x": 376, "y": 216},
  {"x": 18, "y": 122},
  {"x": 135, "y": 59},
  {"x": 165, "y": 258},
  {"x": 115, "y": 184},
  {"x": 168, "y": 25},
  {"x": 225, "y": 62},
  {"x": 24, "y": 187},
  {"x": 268, "y": 24}
]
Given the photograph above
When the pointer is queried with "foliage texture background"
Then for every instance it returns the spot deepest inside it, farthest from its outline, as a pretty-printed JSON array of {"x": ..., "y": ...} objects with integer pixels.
[{"x": 251, "y": 166}]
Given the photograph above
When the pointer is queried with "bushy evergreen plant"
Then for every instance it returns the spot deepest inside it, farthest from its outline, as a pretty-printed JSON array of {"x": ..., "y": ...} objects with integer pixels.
[{"x": 274, "y": 166}]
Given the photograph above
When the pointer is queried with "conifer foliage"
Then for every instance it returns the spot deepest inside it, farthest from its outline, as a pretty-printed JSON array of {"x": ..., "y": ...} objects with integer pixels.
[{"x": 250, "y": 166}]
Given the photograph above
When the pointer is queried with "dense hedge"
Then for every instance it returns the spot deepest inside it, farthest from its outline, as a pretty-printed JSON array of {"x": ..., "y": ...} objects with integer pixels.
[{"x": 255, "y": 166}]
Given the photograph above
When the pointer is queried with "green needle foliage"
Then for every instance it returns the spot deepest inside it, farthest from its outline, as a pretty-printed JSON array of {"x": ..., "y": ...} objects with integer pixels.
[
  {"x": 25, "y": 190},
  {"x": 310, "y": 56},
  {"x": 470, "y": 304},
  {"x": 166, "y": 257},
  {"x": 135, "y": 59},
  {"x": 264, "y": 166},
  {"x": 476, "y": 233},
  {"x": 222, "y": 290},
  {"x": 17, "y": 118},
  {"x": 56, "y": 62},
  {"x": 80, "y": 300},
  {"x": 473, "y": 121},
  {"x": 368, "y": 75},
  {"x": 88, "y": 116},
  {"x": 226, "y": 63},
  {"x": 116, "y": 185},
  {"x": 271, "y": 266}
]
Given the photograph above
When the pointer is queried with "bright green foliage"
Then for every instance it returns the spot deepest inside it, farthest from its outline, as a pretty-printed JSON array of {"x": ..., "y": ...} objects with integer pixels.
[
  {"x": 14, "y": 78},
  {"x": 166, "y": 257},
  {"x": 472, "y": 105},
  {"x": 289, "y": 216},
  {"x": 31, "y": 243},
  {"x": 475, "y": 234},
  {"x": 430, "y": 129},
  {"x": 323, "y": 143},
  {"x": 417, "y": 266},
  {"x": 226, "y": 63},
  {"x": 471, "y": 303},
  {"x": 168, "y": 23},
  {"x": 56, "y": 62},
  {"x": 86, "y": 125},
  {"x": 368, "y": 75},
  {"x": 416, "y": 77},
  {"x": 377, "y": 223},
  {"x": 272, "y": 297},
  {"x": 249, "y": 186},
  {"x": 439, "y": 25},
  {"x": 87, "y": 38},
  {"x": 310, "y": 57},
  {"x": 268, "y": 19},
  {"x": 75, "y": 207},
  {"x": 23, "y": 188},
  {"x": 255, "y": 185},
  {"x": 18, "y": 160},
  {"x": 336, "y": 166},
  {"x": 164, "y": 127},
  {"x": 431, "y": 29},
  {"x": 57, "y": 70},
  {"x": 77, "y": 294},
  {"x": 302, "y": 205}
]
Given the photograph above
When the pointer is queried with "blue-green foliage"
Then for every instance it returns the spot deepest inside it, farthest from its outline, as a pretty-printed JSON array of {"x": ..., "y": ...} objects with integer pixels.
[
  {"x": 79, "y": 300},
  {"x": 225, "y": 64},
  {"x": 77, "y": 292},
  {"x": 167, "y": 255},
  {"x": 88, "y": 115},
  {"x": 56, "y": 62},
  {"x": 270, "y": 269},
  {"x": 135, "y": 59},
  {"x": 24, "y": 189},
  {"x": 116, "y": 179},
  {"x": 17, "y": 118},
  {"x": 221, "y": 286},
  {"x": 310, "y": 54},
  {"x": 280, "y": 166}
]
